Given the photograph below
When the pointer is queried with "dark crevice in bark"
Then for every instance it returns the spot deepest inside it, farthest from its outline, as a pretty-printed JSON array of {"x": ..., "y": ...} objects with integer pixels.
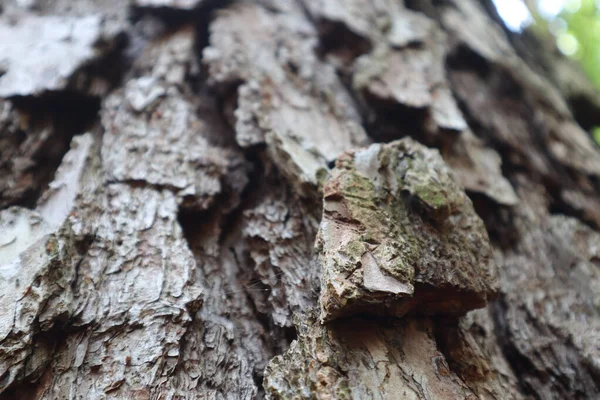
[
  {"x": 498, "y": 220},
  {"x": 107, "y": 71},
  {"x": 61, "y": 114},
  {"x": 225, "y": 94},
  {"x": 336, "y": 39},
  {"x": 448, "y": 339},
  {"x": 463, "y": 58},
  {"x": 453, "y": 342},
  {"x": 559, "y": 207},
  {"x": 213, "y": 108},
  {"x": 50, "y": 120},
  {"x": 155, "y": 22},
  {"x": 170, "y": 17},
  {"x": 387, "y": 121},
  {"x": 203, "y": 19},
  {"x": 150, "y": 24},
  {"x": 191, "y": 222},
  {"x": 248, "y": 197},
  {"x": 442, "y": 300},
  {"x": 83, "y": 244},
  {"x": 586, "y": 113},
  {"x": 140, "y": 183},
  {"x": 426, "y": 7},
  {"x": 174, "y": 18},
  {"x": 227, "y": 102},
  {"x": 438, "y": 4}
]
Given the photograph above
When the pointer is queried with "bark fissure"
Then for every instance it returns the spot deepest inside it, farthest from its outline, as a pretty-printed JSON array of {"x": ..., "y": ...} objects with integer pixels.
[{"x": 36, "y": 140}]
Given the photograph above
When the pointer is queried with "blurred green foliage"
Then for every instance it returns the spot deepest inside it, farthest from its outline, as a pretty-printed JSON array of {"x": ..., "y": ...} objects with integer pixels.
[
  {"x": 577, "y": 32},
  {"x": 583, "y": 24}
]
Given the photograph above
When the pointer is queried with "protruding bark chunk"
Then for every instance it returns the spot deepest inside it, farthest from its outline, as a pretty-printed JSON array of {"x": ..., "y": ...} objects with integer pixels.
[{"x": 399, "y": 235}]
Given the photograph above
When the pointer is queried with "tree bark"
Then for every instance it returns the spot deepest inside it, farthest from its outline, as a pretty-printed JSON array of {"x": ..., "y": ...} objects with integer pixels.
[{"x": 293, "y": 199}]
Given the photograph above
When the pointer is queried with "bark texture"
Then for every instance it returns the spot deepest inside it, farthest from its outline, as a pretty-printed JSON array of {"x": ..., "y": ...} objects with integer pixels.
[{"x": 309, "y": 199}]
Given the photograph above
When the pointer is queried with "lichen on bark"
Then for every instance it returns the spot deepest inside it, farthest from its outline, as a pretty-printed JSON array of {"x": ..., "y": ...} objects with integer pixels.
[{"x": 399, "y": 235}]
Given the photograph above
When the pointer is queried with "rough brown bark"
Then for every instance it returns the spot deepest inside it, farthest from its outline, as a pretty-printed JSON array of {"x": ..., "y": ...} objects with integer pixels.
[{"x": 292, "y": 199}]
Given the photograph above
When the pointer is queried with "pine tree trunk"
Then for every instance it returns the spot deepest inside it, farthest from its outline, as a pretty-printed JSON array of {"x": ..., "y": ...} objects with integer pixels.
[{"x": 293, "y": 199}]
